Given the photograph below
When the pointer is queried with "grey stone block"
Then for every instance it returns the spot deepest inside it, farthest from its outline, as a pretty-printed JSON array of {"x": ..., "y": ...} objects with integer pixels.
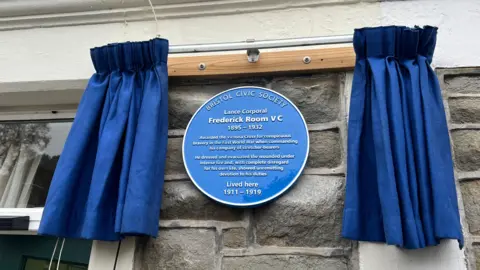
[
  {"x": 465, "y": 84},
  {"x": 317, "y": 96},
  {"x": 476, "y": 253},
  {"x": 285, "y": 262},
  {"x": 182, "y": 200},
  {"x": 464, "y": 110},
  {"x": 186, "y": 96},
  {"x": 309, "y": 215},
  {"x": 186, "y": 249},
  {"x": 325, "y": 149},
  {"x": 235, "y": 238},
  {"x": 471, "y": 200},
  {"x": 174, "y": 161},
  {"x": 467, "y": 149}
]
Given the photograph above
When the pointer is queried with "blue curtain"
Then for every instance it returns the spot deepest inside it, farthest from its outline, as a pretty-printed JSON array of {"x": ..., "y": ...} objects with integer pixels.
[
  {"x": 109, "y": 179},
  {"x": 400, "y": 184}
]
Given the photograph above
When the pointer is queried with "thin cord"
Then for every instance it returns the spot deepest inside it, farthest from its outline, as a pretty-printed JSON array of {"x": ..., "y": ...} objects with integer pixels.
[
  {"x": 116, "y": 256},
  {"x": 155, "y": 16},
  {"x": 60, "y": 255},
  {"x": 53, "y": 254}
]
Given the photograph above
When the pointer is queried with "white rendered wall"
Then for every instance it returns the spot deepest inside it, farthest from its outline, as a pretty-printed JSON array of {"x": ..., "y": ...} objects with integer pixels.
[
  {"x": 62, "y": 53},
  {"x": 446, "y": 256}
]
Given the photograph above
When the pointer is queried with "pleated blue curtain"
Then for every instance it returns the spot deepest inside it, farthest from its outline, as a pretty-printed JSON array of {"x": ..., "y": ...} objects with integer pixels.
[
  {"x": 400, "y": 185},
  {"x": 109, "y": 179}
]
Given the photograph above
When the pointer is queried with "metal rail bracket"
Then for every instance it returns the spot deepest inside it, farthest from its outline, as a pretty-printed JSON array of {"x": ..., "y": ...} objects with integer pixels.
[{"x": 253, "y": 55}]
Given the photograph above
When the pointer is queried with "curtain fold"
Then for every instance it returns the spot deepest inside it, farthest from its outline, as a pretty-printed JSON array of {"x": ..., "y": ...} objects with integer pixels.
[
  {"x": 400, "y": 184},
  {"x": 109, "y": 179}
]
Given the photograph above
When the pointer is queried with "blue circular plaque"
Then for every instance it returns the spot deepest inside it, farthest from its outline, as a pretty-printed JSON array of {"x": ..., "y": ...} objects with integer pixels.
[{"x": 246, "y": 146}]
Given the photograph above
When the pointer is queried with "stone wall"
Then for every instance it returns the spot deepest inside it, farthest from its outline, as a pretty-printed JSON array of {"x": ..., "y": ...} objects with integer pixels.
[
  {"x": 300, "y": 230},
  {"x": 461, "y": 91}
]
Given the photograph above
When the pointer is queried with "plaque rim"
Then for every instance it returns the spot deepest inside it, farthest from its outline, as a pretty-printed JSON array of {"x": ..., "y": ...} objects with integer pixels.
[{"x": 266, "y": 200}]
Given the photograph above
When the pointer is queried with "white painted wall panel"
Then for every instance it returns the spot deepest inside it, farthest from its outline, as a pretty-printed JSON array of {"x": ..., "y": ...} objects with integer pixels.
[{"x": 446, "y": 256}]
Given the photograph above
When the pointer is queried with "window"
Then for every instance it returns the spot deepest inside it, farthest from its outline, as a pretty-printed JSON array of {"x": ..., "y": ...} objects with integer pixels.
[
  {"x": 29, "y": 152},
  {"x": 35, "y": 119}
]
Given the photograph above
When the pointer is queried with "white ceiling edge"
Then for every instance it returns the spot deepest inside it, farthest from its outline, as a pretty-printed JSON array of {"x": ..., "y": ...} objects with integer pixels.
[
  {"x": 58, "y": 95},
  {"x": 26, "y": 14}
]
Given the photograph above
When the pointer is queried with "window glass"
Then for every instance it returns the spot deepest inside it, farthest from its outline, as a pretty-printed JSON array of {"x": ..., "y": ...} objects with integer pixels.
[
  {"x": 42, "y": 264},
  {"x": 29, "y": 153}
]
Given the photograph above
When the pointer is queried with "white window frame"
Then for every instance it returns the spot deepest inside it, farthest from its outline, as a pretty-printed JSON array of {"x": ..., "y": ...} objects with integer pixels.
[{"x": 103, "y": 254}]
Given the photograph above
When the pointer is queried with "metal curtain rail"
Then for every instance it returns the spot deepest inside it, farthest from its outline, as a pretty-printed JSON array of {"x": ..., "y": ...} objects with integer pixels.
[{"x": 261, "y": 44}]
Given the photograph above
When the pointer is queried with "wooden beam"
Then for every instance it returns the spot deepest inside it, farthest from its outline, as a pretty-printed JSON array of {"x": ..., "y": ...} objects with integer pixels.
[{"x": 269, "y": 62}]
